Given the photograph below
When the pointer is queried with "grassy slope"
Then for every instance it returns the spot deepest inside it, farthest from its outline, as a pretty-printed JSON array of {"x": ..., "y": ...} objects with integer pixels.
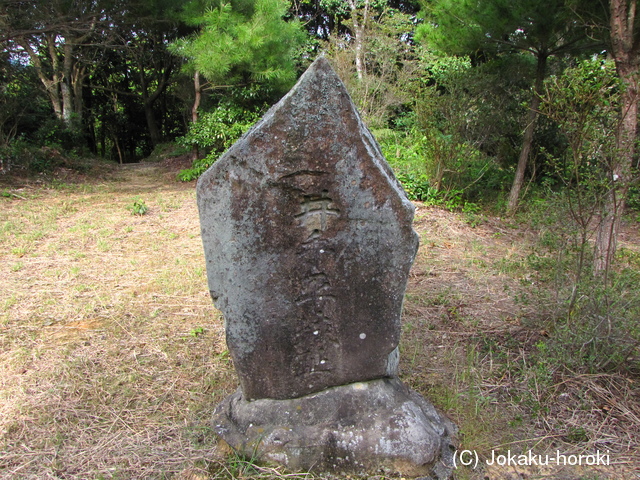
[{"x": 112, "y": 356}]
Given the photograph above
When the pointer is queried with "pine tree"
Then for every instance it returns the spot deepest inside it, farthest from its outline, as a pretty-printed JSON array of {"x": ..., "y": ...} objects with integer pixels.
[{"x": 240, "y": 43}]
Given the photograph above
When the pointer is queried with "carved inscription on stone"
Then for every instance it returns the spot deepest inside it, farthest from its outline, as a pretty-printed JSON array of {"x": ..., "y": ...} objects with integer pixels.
[
  {"x": 316, "y": 339},
  {"x": 316, "y": 214}
]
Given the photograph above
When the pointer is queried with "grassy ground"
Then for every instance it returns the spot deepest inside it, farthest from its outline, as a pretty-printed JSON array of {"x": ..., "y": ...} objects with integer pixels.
[{"x": 112, "y": 356}]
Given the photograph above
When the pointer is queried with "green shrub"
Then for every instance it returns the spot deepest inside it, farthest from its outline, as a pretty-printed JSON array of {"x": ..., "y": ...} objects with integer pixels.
[
  {"x": 29, "y": 158},
  {"x": 214, "y": 133},
  {"x": 437, "y": 170},
  {"x": 600, "y": 332},
  {"x": 198, "y": 168},
  {"x": 633, "y": 200},
  {"x": 592, "y": 318},
  {"x": 417, "y": 186},
  {"x": 163, "y": 151},
  {"x": 53, "y": 133}
]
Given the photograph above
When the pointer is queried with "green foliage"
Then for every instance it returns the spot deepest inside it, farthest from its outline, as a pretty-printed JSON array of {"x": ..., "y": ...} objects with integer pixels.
[
  {"x": 196, "y": 332},
  {"x": 633, "y": 200},
  {"x": 240, "y": 41},
  {"x": 600, "y": 332},
  {"x": 405, "y": 151},
  {"x": 163, "y": 151},
  {"x": 461, "y": 27},
  {"x": 138, "y": 207},
  {"x": 499, "y": 29},
  {"x": 76, "y": 51},
  {"x": 22, "y": 104},
  {"x": 417, "y": 187},
  {"x": 21, "y": 155},
  {"x": 214, "y": 133},
  {"x": 198, "y": 167},
  {"x": 583, "y": 102},
  {"x": 468, "y": 119},
  {"x": 435, "y": 169},
  {"x": 592, "y": 319},
  {"x": 218, "y": 129},
  {"x": 341, "y": 10},
  {"x": 245, "y": 48},
  {"x": 55, "y": 134},
  {"x": 408, "y": 154}
]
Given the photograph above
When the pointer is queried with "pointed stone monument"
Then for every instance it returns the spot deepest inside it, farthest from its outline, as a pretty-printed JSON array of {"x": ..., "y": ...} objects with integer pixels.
[{"x": 308, "y": 243}]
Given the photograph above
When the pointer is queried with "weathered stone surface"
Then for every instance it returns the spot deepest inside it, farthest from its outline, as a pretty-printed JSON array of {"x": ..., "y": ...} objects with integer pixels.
[
  {"x": 308, "y": 243},
  {"x": 378, "y": 426}
]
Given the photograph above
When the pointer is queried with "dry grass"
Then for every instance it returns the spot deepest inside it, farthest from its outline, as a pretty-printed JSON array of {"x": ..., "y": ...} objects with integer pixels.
[
  {"x": 468, "y": 346},
  {"x": 112, "y": 356}
]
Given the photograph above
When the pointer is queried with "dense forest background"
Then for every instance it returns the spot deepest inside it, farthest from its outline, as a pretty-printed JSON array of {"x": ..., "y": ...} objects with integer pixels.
[{"x": 475, "y": 104}]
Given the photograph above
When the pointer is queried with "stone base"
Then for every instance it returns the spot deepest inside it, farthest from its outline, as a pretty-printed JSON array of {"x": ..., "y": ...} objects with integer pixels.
[{"x": 379, "y": 426}]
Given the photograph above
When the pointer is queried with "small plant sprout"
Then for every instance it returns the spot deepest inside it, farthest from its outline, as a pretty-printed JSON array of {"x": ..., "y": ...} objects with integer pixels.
[
  {"x": 196, "y": 332},
  {"x": 138, "y": 207}
]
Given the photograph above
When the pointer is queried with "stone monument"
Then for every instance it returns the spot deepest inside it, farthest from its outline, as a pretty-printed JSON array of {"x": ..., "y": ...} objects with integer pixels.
[{"x": 308, "y": 243}]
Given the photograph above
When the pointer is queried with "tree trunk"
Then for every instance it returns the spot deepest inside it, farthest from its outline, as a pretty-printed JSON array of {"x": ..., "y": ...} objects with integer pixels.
[
  {"x": 195, "y": 151},
  {"x": 62, "y": 80},
  {"x": 51, "y": 85},
  {"x": 79, "y": 74},
  {"x": 116, "y": 142},
  {"x": 66, "y": 84},
  {"x": 53, "y": 92},
  {"x": 625, "y": 49},
  {"x": 67, "y": 104},
  {"x": 198, "y": 97},
  {"x": 150, "y": 99},
  {"x": 527, "y": 141},
  {"x": 359, "y": 26},
  {"x": 152, "y": 124}
]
